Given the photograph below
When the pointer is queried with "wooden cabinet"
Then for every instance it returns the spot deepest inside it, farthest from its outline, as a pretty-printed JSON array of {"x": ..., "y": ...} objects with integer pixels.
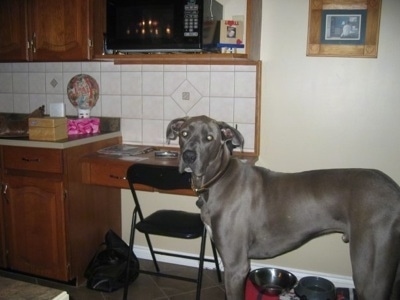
[
  {"x": 35, "y": 218},
  {"x": 53, "y": 222},
  {"x": 41, "y": 30},
  {"x": 13, "y": 30}
]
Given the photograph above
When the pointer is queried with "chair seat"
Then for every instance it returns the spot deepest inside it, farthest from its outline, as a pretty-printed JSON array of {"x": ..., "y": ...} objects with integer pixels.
[{"x": 173, "y": 223}]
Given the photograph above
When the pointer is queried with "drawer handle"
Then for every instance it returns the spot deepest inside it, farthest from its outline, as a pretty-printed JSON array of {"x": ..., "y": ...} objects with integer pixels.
[
  {"x": 117, "y": 177},
  {"x": 31, "y": 159}
]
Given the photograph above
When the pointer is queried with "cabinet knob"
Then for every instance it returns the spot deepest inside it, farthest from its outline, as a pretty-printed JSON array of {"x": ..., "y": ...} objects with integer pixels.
[{"x": 31, "y": 159}]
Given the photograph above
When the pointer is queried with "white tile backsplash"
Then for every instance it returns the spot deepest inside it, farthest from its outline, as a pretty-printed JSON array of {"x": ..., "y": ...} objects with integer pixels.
[
  {"x": 222, "y": 84},
  {"x": 145, "y": 97},
  {"x": 6, "y": 82},
  {"x": 131, "y": 83},
  {"x": 37, "y": 83},
  {"x": 20, "y": 83},
  {"x": 6, "y": 103},
  {"x": 153, "y": 83}
]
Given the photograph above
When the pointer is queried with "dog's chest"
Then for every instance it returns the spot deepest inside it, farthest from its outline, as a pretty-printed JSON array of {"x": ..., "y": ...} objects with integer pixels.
[{"x": 205, "y": 215}]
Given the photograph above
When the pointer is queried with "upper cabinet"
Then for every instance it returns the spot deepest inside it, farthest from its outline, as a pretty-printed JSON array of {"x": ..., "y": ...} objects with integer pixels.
[
  {"x": 250, "y": 55},
  {"x": 42, "y": 30}
]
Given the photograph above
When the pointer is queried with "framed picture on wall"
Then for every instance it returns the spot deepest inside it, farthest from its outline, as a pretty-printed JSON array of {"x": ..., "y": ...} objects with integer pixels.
[{"x": 345, "y": 28}]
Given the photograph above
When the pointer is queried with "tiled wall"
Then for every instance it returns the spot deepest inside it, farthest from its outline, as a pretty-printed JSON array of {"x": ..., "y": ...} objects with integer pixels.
[{"x": 145, "y": 97}]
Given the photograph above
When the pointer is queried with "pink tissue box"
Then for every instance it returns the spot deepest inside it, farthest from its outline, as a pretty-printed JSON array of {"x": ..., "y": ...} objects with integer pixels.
[{"x": 83, "y": 126}]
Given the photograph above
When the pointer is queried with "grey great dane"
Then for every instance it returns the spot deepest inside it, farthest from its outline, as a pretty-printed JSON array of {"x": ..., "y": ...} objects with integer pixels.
[{"x": 256, "y": 213}]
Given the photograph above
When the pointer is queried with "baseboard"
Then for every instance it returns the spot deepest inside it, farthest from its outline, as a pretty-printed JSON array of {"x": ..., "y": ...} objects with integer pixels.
[{"x": 337, "y": 280}]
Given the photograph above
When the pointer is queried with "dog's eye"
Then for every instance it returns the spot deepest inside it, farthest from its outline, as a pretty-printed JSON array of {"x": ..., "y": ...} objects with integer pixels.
[
  {"x": 184, "y": 133},
  {"x": 210, "y": 137}
]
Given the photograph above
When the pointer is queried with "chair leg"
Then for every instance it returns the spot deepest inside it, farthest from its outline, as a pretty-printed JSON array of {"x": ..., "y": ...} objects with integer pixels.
[
  {"x": 201, "y": 264},
  {"x": 152, "y": 252},
  {"x": 214, "y": 250},
  {"x": 128, "y": 264}
]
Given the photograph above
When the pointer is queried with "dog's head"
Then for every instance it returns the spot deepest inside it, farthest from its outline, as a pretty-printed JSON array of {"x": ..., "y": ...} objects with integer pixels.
[{"x": 203, "y": 142}]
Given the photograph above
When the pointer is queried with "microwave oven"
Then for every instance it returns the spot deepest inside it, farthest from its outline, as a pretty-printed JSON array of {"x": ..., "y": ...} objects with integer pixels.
[{"x": 157, "y": 25}]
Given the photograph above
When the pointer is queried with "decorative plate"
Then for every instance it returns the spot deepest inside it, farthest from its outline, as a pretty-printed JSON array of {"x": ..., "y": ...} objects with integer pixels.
[{"x": 83, "y": 91}]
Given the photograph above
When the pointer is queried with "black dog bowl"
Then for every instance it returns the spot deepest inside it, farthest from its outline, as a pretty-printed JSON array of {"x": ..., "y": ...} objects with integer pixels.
[
  {"x": 272, "y": 281},
  {"x": 315, "y": 288}
]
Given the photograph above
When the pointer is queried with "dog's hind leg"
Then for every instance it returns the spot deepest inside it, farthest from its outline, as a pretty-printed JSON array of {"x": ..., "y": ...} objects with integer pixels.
[
  {"x": 375, "y": 259},
  {"x": 396, "y": 286}
]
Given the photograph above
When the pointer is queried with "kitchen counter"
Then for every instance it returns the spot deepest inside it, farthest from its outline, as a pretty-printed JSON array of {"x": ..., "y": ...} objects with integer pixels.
[{"x": 72, "y": 141}]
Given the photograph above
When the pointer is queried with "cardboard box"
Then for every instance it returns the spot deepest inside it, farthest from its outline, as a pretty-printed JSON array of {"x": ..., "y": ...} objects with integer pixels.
[
  {"x": 48, "y": 128},
  {"x": 223, "y": 33}
]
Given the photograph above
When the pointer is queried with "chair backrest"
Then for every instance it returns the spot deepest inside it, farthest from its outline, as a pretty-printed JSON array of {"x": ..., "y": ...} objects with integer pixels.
[{"x": 158, "y": 176}]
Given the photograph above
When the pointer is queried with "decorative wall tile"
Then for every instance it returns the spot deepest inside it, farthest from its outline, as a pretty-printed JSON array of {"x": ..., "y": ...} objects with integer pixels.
[
  {"x": 54, "y": 83},
  {"x": 186, "y": 96}
]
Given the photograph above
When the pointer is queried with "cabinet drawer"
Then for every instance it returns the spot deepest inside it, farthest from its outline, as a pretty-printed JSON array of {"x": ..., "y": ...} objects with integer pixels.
[
  {"x": 106, "y": 174},
  {"x": 33, "y": 159}
]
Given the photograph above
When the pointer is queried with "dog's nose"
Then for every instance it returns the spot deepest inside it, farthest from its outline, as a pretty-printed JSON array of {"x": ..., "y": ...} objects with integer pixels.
[{"x": 189, "y": 156}]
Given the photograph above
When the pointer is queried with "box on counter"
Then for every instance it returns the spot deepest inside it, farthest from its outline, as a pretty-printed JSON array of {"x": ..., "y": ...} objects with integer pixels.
[
  {"x": 48, "y": 128},
  {"x": 223, "y": 33},
  {"x": 83, "y": 126}
]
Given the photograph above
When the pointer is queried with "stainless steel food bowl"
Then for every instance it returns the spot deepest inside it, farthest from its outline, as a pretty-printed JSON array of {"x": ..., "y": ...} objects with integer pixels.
[
  {"x": 272, "y": 281},
  {"x": 315, "y": 288}
]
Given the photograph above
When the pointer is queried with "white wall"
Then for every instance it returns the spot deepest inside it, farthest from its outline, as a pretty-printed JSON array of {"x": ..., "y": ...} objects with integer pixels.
[{"x": 320, "y": 112}]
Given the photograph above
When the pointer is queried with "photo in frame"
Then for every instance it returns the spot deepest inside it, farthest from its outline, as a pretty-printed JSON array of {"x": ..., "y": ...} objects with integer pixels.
[{"x": 343, "y": 28}]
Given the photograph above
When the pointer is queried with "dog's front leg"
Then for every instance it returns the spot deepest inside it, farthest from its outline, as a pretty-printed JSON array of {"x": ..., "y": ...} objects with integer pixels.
[{"x": 235, "y": 274}]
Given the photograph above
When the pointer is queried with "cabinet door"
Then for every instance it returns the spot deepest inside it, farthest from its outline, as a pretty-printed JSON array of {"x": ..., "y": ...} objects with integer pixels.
[
  {"x": 35, "y": 226},
  {"x": 13, "y": 30},
  {"x": 60, "y": 30}
]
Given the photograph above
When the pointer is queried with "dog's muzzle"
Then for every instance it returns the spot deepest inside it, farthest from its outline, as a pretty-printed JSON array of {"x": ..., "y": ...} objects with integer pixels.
[{"x": 189, "y": 156}]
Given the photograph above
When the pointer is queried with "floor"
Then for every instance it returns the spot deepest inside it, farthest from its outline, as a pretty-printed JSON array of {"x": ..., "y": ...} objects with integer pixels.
[{"x": 145, "y": 287}]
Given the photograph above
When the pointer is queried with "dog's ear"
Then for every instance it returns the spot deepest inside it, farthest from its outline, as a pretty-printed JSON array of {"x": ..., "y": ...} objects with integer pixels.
[
  {"x": 231, "y": 136},
  {"x": 174, "y": 127}
]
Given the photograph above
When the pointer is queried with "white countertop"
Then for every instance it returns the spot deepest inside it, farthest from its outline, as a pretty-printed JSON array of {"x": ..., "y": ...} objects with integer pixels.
[{"x": 72, "y": 141}]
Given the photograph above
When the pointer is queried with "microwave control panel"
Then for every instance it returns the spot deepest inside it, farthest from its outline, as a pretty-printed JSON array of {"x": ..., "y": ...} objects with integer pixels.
[{"x": 191, "y": 19}]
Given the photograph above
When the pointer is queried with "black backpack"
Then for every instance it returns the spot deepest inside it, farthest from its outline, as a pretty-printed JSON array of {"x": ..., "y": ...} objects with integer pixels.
[{"x": 106, "y": 271}]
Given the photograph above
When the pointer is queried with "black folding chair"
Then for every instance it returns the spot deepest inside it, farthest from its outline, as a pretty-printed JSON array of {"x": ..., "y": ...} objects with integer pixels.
[{"x": 170, "y": 223}]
